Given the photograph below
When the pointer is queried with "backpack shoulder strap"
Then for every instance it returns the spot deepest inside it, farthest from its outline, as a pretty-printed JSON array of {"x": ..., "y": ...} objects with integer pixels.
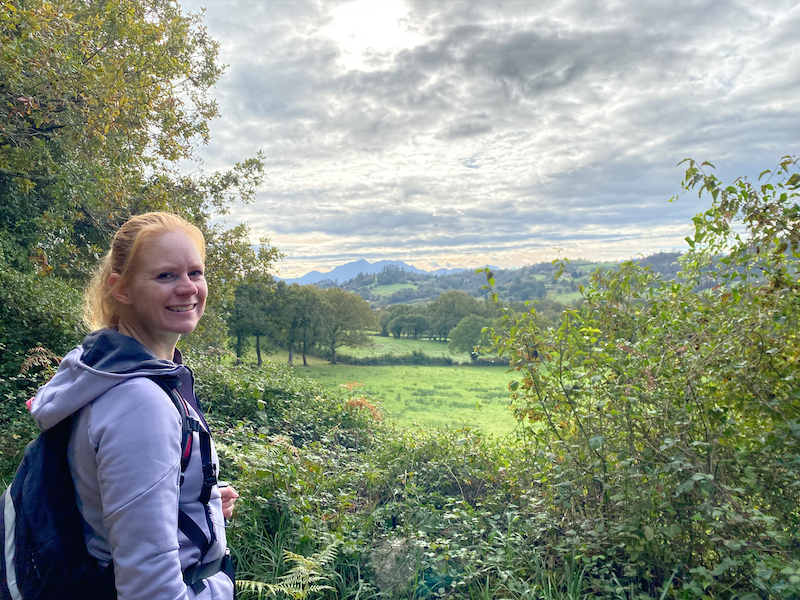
[{"x": 188, "y": 423}]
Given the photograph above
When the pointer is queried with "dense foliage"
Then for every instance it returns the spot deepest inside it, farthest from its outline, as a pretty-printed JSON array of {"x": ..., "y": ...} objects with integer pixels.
[{"x": 666, "y": 412}]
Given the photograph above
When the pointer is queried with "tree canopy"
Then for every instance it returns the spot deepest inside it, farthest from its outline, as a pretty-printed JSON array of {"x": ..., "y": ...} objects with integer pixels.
[
  {"x": 345, "y": 319},
  {"x": 100, "y": 102}
]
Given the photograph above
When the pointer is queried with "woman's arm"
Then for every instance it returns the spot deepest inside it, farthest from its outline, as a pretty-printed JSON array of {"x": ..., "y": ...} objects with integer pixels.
[{"x": 137, "y": 431}]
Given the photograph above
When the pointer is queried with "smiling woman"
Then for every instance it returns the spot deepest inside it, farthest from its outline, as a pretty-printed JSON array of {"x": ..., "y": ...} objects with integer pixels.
[
  {"x": 132, "y": 456},
  {"x": 151, "y": 285}
]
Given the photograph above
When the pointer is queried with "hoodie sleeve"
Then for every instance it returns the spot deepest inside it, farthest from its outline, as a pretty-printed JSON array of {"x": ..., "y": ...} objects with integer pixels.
[{"x": 136, "y": 431}]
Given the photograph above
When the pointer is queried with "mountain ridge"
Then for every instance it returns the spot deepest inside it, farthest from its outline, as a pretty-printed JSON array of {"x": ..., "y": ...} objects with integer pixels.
[{"x": 350, "y": 270}]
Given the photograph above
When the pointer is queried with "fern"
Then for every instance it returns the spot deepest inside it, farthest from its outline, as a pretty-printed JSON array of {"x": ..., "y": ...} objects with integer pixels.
[{"x": 307, "y": 576}]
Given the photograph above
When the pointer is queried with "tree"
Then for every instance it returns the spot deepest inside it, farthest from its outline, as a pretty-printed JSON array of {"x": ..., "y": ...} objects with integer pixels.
[
  {"x": 98, "y": 103},
  {"x": 384, "y": 318},
  {"x": 468, "y": 334},
  {"x": 301, "y": 309},
  {"x": 256, "y": 312},
  {"x": 410, "y": 322},
  {"x": 344, "y": 318},
  {"x": 390, "y": 274},
  {"x": 447, "y": 310},
  {"x": 396, "y": 319}
]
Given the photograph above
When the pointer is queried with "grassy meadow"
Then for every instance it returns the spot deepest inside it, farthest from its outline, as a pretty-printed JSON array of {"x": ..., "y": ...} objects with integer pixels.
[
  {"x": 437, "y": 397},
  {"x": 386, "y": 290},
  {"x": 399, "y": 346},
  {"x": 566, "y": 297}
]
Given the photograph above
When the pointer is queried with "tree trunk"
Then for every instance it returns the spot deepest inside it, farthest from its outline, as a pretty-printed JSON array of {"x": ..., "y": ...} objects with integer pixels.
[
  {"x": 291, "y": 352},
  {"x": 333, "y": 354},
  {"x": 239, "y": 344},
  {"x": 258, "y": 349}
]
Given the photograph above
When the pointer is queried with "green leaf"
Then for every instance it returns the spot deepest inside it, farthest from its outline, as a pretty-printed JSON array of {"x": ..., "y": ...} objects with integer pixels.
[
  {"x": 596, "y": 441},
  {"x": 649, "y": 534}
]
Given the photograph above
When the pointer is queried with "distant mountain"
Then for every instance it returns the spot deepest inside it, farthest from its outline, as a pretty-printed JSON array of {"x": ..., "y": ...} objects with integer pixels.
[{"x": 352, "y": 269}]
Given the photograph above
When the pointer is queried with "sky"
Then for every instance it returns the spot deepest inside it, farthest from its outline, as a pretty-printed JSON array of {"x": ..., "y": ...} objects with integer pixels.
[{"x": 459, "y": 134}]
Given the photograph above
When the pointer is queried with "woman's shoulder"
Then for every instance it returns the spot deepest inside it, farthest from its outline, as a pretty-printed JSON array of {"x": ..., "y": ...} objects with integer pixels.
[
  {"x": 137, "y": 404},
  {"x": 139, "y": 387}
]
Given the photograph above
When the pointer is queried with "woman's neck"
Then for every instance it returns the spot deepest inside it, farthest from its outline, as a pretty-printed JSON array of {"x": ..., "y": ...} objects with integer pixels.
[{"x": 162, "y": 346}]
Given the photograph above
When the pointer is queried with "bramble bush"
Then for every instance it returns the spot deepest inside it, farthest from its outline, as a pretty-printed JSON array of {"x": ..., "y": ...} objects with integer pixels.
[{"x": 665, "y": 413}]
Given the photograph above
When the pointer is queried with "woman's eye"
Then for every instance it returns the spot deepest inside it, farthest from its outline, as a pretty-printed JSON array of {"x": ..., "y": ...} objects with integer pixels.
[
  {"x": 164, "y": 276},
  {"x": 196, "y": 274}
]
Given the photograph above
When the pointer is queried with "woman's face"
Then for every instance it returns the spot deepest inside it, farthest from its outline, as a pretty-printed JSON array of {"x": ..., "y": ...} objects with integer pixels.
[{"x": 167, "y": 292}]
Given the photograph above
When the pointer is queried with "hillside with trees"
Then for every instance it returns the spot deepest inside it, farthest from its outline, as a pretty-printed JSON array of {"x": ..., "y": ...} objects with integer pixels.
[
  {"x": 395, "y": 285},
  {"x": 657, "y": 448}
]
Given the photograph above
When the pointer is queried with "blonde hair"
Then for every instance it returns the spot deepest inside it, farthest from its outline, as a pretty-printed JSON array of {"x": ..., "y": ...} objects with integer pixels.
[{"x": 100, "y": 308}]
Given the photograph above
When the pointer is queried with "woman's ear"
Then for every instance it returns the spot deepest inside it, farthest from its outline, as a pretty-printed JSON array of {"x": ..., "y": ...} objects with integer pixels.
[{"x": 120, "y": 292}]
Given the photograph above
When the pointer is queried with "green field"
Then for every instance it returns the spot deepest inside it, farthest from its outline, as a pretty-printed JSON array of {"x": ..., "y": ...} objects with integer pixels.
[
  {"x": 399, "y": 346},
  {"x": 439, "y": 397},
  {"x": 567, "y": 297},
  {"x": 385, "y": 290}
]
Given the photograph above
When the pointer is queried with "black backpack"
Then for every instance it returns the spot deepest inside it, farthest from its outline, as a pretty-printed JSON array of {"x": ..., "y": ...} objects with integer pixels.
[{"x": 44, "y": 552}]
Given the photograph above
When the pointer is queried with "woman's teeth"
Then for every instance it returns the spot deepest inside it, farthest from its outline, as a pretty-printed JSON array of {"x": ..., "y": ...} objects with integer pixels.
[{"x": 180, "y": 308}]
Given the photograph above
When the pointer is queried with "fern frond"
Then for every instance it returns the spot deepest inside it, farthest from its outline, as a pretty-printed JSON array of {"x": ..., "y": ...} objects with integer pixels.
[{"x": 306, "y": 577}]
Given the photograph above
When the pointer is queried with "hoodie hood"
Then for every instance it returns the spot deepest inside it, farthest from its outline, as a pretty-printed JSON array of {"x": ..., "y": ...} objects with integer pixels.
[{"x": 105, "y": 359}]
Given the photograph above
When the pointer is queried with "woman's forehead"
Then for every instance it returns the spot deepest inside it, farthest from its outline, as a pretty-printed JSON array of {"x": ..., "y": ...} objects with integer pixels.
[{"x": 173, "y": 248}]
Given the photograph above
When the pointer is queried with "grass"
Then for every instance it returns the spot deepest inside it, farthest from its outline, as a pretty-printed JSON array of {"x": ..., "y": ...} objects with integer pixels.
[
  {"x": 567, "y": 297},
  {"x": 436, "y": 397},
  {"x": 398, "y": 346},
  {"x": 385, "y": 290}
]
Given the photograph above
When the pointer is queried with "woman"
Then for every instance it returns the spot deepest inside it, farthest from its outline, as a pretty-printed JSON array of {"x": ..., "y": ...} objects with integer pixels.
[{"x": 125, "y": 449}]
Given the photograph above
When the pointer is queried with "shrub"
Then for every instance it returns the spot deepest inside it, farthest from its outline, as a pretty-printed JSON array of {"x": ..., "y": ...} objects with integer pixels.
[{"x": 664, "y": 414}]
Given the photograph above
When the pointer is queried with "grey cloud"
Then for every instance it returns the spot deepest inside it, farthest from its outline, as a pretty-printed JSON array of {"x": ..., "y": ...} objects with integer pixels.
[
  {"x": 509, "y": 121},
  {"x": 467, "y": 127}
]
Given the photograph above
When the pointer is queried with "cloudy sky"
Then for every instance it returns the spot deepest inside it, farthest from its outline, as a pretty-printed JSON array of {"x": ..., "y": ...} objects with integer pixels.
[{"x": 448, "y": 133}]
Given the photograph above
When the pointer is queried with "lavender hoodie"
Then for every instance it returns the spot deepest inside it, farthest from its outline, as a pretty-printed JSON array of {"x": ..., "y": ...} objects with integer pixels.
[{"x": 124, "y": 456}]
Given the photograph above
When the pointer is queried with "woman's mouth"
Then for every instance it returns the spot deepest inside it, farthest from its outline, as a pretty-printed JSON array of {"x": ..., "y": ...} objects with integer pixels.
[{"x": 184, "y": 308}]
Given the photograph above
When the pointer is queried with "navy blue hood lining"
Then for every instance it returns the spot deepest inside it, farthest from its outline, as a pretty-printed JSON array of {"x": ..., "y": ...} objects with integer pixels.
[{"x": 113, "y": 352}]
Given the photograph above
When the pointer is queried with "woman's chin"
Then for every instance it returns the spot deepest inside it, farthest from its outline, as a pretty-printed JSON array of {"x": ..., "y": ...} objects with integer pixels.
[{"x": 184, "y": 323}]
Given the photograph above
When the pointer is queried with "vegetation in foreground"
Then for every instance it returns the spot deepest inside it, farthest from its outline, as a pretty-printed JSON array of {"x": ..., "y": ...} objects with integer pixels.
[{"x": 657, "y": 453}]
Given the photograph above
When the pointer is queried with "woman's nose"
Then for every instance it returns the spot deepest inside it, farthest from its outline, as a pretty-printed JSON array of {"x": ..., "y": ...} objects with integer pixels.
[{"x": 186, "y": 286}]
